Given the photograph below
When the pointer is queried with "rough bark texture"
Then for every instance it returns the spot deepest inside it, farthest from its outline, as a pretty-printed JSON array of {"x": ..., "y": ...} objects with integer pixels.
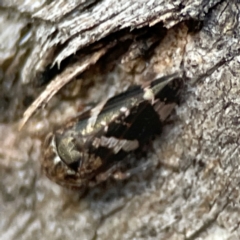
[{"x": 100, "y": 48}]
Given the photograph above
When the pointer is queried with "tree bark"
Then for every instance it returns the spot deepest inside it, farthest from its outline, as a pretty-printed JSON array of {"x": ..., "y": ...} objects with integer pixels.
[{"x": 58, "y": 57}]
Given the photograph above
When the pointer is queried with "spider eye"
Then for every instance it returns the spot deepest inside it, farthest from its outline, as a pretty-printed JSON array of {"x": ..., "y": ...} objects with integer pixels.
[{"x": 67, "y": 151}]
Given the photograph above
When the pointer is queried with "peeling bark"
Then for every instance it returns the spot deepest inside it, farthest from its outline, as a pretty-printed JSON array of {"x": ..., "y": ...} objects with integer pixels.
[{"x": 67, "y": 55}]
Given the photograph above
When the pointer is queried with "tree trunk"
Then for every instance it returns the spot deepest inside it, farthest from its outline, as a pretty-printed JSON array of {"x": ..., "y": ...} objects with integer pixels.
[{"x": 59, "y": 57}]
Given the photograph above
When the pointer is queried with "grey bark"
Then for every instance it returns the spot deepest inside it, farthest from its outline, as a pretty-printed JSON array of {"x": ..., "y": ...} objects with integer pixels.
[{"x": 72, "y": 53}]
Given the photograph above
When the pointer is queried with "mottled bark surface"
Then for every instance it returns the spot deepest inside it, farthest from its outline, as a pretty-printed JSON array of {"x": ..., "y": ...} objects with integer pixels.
[{"x": 70, "y": 54}]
